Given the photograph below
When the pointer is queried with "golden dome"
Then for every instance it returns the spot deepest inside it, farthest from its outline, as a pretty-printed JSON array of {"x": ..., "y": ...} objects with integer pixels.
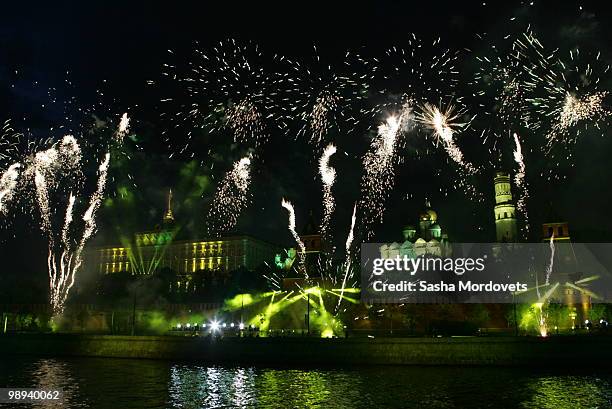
[{"x": 428, "y": 214}]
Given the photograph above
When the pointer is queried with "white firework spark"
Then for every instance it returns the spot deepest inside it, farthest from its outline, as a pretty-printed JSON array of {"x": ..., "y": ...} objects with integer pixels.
[
  {"x": 123, "y": 129},
  {"x": 68, "y": 218},
  {"x": 328, "y": 177},
  {"x": 301, "y": 248},
  {"x": 244, "y": 120},
  {"x": 521, "y": 184},
  {"x": 231, "y": 197},
  {"x": 9, "y": 142},
  {"x": 320, "y": 120}
]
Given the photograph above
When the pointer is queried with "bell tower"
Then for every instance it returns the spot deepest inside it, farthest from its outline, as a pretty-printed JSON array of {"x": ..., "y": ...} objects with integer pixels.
[{"x": 505, "y": 210}]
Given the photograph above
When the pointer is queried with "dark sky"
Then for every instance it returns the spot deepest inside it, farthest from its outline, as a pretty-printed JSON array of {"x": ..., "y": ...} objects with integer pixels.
[{"x": 116, "y": 47}]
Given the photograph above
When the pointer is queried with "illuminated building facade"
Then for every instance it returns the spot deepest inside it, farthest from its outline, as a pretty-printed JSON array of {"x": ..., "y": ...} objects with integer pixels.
[
  {"x": 153, "y": 251},
  {"x": 156, "y": 250}
]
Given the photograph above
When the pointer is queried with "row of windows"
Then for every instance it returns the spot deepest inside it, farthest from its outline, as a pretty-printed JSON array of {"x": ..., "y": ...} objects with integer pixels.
[
  {"x": 505, "y": 215},
  {"x": 115, "y": 267}
]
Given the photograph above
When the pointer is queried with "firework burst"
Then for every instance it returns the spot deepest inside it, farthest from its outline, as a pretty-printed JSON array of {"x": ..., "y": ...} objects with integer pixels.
[
  {"x": 443, "y": 125},
  {"x": 422, "y": 70},
  {"x": 325, "y": 98},
  {"x": 227, "y": 87}
]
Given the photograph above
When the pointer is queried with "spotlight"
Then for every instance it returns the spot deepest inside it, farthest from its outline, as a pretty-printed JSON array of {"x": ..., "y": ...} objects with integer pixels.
[
  {"x": 241, "y": 326},
  {"x": 214, "y": 326}
]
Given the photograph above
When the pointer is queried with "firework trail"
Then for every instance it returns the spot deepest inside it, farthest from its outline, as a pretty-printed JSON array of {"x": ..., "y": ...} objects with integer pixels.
[
  {"x": 47, "y": 171},
  {"x": 347, "y": 264},
  {"x": 68, "y": 218},
  {"x": 64, "y": 265},
  {"x": 8, "y": 183},
  {"x": 551, "y": 261},
  {"x": 301, "y": 248},
  {"x": 231, "y": 197},
  {"x": 519, "y": 181},
  {"x": 328, "y": 177},
  {"x": 540, "y": 305},
  {"x": 378, "y": 163},
  {"x": 122, "y": 130}
]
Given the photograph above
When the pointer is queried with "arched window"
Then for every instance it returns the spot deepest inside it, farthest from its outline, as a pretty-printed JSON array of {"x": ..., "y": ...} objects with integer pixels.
[{"x": 505, "y": 215}]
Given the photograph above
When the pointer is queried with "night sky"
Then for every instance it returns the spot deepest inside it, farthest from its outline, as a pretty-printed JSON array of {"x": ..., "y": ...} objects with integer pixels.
[{"x": 98, "y": 56}]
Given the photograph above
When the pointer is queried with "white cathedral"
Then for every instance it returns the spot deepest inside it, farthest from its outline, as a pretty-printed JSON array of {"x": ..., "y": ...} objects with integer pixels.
[{"x": 428, "y": 240}]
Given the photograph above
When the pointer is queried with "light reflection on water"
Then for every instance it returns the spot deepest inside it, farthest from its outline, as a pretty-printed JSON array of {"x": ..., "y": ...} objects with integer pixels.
[{"x": 124, "y": 384}]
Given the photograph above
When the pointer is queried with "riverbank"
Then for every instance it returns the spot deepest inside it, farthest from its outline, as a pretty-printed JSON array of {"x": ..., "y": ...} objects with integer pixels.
[{"x": 522, "y": 351}]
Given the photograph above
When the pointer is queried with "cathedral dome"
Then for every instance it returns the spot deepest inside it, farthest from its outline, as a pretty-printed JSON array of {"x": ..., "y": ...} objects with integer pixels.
[{"x": 428, "y": 214}]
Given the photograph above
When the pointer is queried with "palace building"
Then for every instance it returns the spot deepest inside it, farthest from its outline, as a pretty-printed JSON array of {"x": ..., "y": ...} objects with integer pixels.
[{"x": 151, "y": 251}]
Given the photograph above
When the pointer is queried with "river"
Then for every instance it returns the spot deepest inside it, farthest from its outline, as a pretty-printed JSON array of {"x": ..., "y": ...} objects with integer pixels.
[{"x": 124, "y": 383}]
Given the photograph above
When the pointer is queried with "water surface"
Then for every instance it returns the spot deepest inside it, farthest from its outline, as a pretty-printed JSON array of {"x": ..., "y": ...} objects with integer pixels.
[{"x": 124, "y": 383}]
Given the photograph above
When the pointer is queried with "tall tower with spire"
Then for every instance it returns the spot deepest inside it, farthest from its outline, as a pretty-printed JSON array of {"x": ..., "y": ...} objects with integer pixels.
[
  {"x": 505, "y": 210},
  {"x": 168, "y": 215}
]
